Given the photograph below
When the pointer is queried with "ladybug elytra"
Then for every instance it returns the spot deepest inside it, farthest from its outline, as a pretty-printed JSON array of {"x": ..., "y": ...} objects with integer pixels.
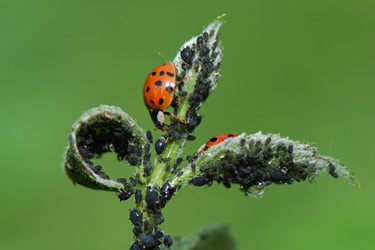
[{"x": 215, "y": 140}]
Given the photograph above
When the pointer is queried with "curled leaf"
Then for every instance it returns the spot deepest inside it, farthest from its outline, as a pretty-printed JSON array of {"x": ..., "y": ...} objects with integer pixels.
[
  {"x": 100, "y": 130},
  {"x": 257, "y": 160}
]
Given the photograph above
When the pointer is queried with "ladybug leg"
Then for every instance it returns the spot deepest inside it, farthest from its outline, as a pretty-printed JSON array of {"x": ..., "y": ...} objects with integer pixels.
[
  {"x": 165, "y": 128},
  {"x": 174, "y": 117},
  {"x": 181, "y": 81},
  {"x": 178, "y": 100}
]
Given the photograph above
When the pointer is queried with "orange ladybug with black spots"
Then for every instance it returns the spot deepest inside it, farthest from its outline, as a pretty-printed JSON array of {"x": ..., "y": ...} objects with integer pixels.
[
  {"x": 158, "y": 93},
  {"x": 215, "y": 140}
]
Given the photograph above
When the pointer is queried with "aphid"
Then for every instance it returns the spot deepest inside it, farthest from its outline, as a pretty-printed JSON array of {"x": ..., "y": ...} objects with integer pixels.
[
  {"x": 149, "y": 136},
  {"x": 146, "y": 171},
  {"x": 205, "y": 36},
  {"x": 177, "y": 135},
  {"x": 137, "y": 230},
  {"x": 243, "y": 142},
  {"x": 205, "y": 50},
  {"x": 198, "y": 181},
  {"x": 290, "y": 149},
  {"x": 332, "y": 169},
  {"x": 199, "y": 41},
  {"x": 147, "y": 241},
  {"x": 138, "y": 196},
  {"x": 151, "y": 196},
  {"x": 193, "y": 167},
  {"x": 214, "y": 141},
  {"x": 159, "y": 146},
  {"x": 135, "y": 246},
  {"x": 276, "y": 174},
  {"x": 183, "y": 93},
  {"x": 124, "y": 195},
  {"x": 177, "y": 162},
  {"x": 158, "y": 236},
  {"x": 167, "y": 190},
  {"x": 158, "y": 93},
  {"x": 97, "y": 168},
  {"x": 168, "y": 241},
  {"x": 187, "y": 55},
  {"x": 268, "y": 140},
  {"x": 179, "y": 173},
  {"x": 136, "y": 217},
  {"x": 165, "y": 159},
  {"x": 122, "y": 180},
  {"x": 190, "y": 138}
]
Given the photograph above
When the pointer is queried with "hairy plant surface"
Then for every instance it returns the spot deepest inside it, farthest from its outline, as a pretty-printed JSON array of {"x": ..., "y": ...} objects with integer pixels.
[{"x": 247, "y": 161}]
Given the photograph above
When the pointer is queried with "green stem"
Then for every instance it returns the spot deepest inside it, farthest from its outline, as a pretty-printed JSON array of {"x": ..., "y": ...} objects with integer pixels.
[{"x": 174, "y": 147}]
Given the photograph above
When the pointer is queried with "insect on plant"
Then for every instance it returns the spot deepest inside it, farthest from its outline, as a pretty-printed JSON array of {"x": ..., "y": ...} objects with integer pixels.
[{"x": 248, "y": 161}]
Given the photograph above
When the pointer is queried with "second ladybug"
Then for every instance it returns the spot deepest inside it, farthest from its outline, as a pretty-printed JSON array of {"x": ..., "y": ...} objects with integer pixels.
[
  {"x": 215, "y": 140},
  {"x": 158, "y": 93}
]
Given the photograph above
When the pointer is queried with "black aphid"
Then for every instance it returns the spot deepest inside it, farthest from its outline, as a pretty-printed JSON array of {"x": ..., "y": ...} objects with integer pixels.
[
  {"x": 198, "y": 181},
  {"x": 147, "y": 241},
  {"x": 138, "y": 196},
  {"x": 151, "y": 196},
  {"x": 136, "y": 217},
  {"x": 168, "y": 241},
  {"x": 124, "y": 195},
  {"x": 159, "y": 146}
]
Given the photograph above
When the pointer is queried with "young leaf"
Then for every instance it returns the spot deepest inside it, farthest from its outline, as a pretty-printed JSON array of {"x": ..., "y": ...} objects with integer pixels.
[
  {"x": 100, "y": 130},
  {"x": 257, "y": 160}
]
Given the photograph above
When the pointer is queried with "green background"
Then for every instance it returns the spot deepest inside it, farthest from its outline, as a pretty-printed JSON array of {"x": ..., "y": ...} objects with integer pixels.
[{"x": 304, "y": 69}]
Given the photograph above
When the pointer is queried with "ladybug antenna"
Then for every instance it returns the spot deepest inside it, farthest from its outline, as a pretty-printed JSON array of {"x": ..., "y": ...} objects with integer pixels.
[{"x": 160, "y": 54}]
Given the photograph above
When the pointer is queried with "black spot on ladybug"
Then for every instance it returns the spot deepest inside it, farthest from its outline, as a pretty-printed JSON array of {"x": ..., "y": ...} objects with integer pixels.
[
  {"x": 153, "y": 73},
  {"x": 170, "y": 89},
  {"x": 230, "y": 136},
  {"x": 152, "y": 102},
  {"x": 158, "y": 83},
  {"x": 148, "y": 89},
  {"x": 213, "y": 139},
  {"x": 161, "y": 101},
  {"x": 170, "y": 74},
  {"x": 161, "y": 72}
]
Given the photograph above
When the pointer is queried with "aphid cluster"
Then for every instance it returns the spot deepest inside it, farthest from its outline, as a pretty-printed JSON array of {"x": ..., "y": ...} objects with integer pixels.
[
  {"x": 102, "y": 135},
  {"x": 147, "y": 229},
  {"x": 201, "y": 58},
  {"x": 262, "y": 165},
  {"x": 94, "y": 137}
]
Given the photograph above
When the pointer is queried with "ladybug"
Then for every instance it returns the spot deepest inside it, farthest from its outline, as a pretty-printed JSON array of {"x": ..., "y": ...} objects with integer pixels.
[
  {"x": 158, "y": 93},
  {"x": 215, "y": 140}
]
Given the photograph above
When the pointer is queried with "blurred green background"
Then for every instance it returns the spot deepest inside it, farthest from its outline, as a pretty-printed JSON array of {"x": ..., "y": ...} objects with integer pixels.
[{"x": 304, "y": 69}]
